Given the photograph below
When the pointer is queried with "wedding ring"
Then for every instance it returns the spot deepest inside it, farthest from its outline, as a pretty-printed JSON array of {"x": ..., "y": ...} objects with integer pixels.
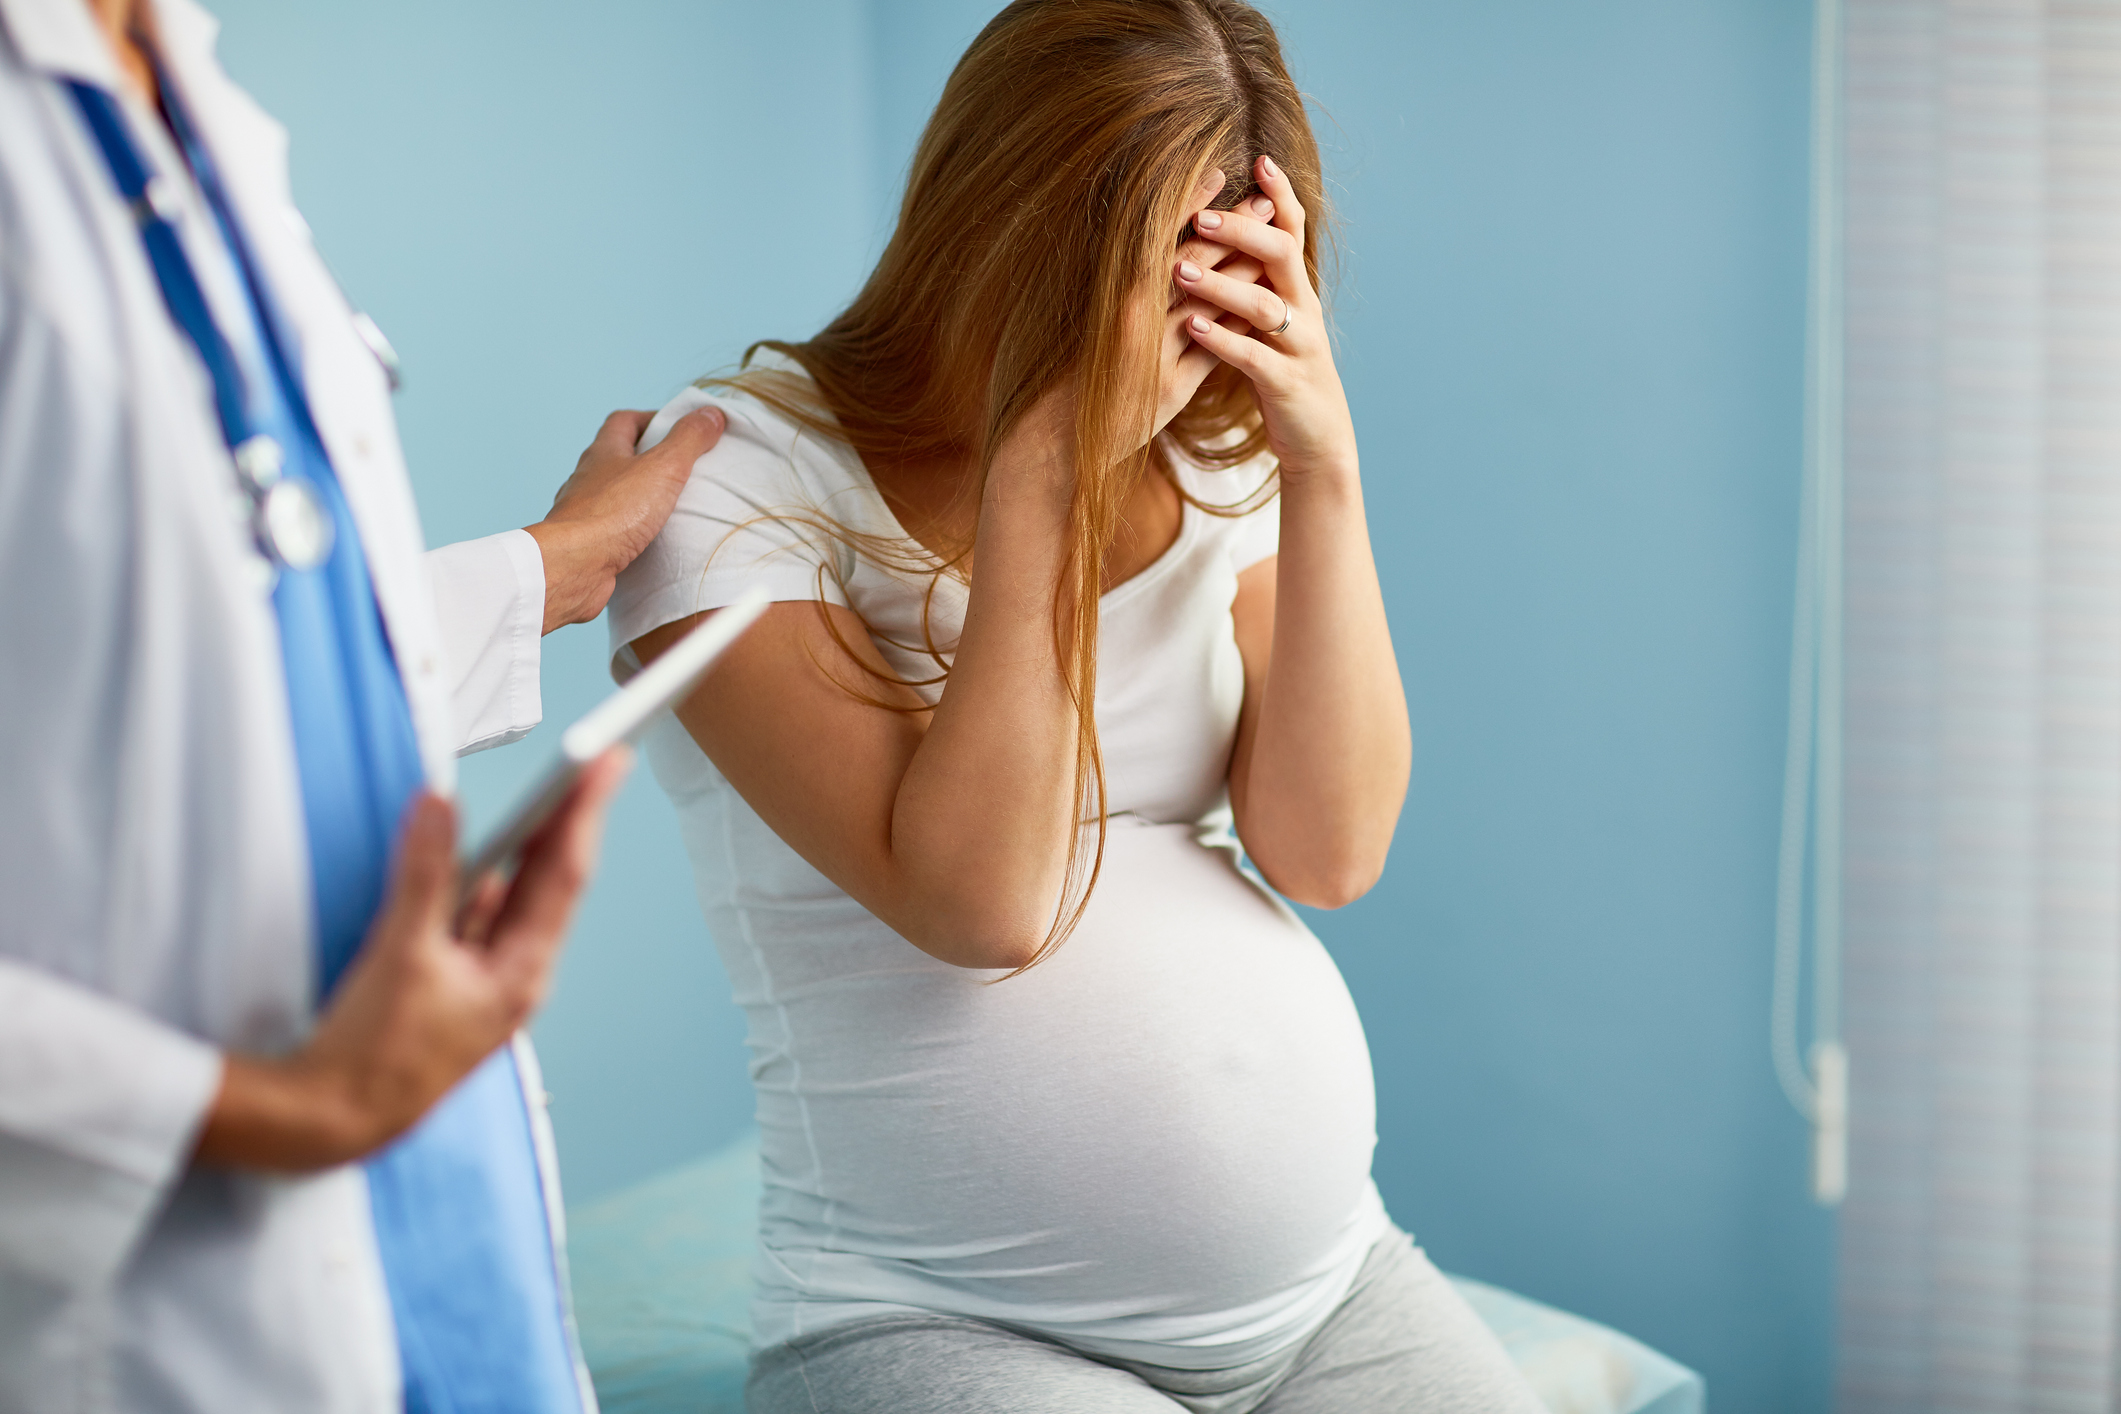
[{"x": 1288, "y": 313}]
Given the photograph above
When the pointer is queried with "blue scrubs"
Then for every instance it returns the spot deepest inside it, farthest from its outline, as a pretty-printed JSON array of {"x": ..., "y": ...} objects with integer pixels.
[{"x": 459, "y": 1209}]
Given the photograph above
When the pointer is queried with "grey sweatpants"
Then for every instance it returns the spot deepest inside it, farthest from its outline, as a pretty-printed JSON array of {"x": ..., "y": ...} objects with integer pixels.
[{"x": 1403, "y": 1342}]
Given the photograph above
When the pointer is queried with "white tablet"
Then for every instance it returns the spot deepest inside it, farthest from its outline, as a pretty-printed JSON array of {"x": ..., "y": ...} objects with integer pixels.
[{"x": 617, "y": 718}]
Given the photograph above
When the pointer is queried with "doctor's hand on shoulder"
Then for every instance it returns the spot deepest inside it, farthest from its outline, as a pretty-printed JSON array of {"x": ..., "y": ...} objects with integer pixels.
[
  {"x": 441, "y": 982},
  {"x": 613, "y": 505}
]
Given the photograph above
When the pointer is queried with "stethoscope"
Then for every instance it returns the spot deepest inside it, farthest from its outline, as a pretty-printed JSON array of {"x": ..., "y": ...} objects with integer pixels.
[{"x": 287, "y": 517}]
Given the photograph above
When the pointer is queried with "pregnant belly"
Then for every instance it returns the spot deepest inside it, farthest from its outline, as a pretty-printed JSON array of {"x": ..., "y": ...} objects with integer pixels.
[{"x": 1168, "y": 1123}]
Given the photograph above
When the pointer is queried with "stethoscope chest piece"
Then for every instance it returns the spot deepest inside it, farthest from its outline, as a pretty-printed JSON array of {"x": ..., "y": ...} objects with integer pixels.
[
  {"x": 288, "y": 517},
  {"x": 293, "y": 526}
]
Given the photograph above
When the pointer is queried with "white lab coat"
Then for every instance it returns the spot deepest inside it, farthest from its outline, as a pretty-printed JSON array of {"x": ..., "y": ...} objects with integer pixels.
[{"x": 154, "y": 890}]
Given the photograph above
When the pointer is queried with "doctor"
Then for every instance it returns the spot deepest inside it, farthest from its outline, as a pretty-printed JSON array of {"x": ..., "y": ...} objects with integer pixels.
[{"x": 266, "y": 1143}]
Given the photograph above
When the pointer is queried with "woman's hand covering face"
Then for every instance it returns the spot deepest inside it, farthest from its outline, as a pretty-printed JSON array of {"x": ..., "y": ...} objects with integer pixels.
[
  {"x": 1185, "y": 364},
  {"x": 1292, "y": 370}
]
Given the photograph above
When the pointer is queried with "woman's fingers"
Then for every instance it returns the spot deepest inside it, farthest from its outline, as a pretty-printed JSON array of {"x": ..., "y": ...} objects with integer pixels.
[
  {"x": 1238, "y": 349},
  {"x": 1238, "y": 267},
  {"x": 1289, "y": 360},
  {"x": 1278, "y": 250},
  {"x": 1190, "y": 243},
  {"x": 1288, "y": 211},
  {"x": 1250, "y": 301},
  {"x": 1213, "y": 254},
  {"x": 1182, "y": 352},
  {"x": 1185, "y": 300},
  {"x": 1175, "y": 335}
]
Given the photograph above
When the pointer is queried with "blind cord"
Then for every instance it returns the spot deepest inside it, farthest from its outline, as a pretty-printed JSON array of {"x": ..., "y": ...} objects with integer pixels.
[{"x": 1812, "y": 762}]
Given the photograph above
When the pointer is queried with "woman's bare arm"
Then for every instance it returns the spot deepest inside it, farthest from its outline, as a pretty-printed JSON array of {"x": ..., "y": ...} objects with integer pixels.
[
  {"x": 1323, "y": 747},
  {"x": 1320, "y": 768},
  {"x": 951, "y": 825}
]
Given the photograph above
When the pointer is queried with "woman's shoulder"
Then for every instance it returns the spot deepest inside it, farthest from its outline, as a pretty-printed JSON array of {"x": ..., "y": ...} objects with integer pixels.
[
  {"x": 762, "y": 508},
  {"x": 764, "y": 449}
]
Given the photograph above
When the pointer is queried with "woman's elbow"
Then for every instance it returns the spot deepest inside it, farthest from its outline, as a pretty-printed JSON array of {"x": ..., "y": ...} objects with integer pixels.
[
  {"x": 982, "y": 938},
  {"x": 1007, "y": 954},
  {"x": 1328, "y": 877},
  {"x": 1328, "y": 888}
]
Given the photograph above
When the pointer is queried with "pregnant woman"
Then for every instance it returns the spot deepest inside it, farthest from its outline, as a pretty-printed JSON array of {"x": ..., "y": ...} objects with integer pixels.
[{"x": 1061, "y": 1111}]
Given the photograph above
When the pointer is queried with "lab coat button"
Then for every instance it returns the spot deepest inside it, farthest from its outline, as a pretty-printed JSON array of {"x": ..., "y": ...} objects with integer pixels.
[{"x": 361, "y": 445}]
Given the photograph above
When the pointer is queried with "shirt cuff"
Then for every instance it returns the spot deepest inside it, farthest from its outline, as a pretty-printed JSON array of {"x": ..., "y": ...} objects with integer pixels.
[
  {"x": 100, "y": 1107},
  {"x": 490, "y": 600}
]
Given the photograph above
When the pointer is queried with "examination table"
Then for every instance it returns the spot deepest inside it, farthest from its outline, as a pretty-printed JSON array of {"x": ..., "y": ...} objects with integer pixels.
[{"x": 662, "y": 1280}]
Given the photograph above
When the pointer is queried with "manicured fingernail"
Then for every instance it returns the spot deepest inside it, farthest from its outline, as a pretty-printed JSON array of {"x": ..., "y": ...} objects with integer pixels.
[
  {"x": 1213, "y": 177},
  {"x": 1268, "y": 163},
  {"x": 1200, "y": 325},
  {"x": 1262, "y": 208},
  {"x": 1188, "y": 271},
  {"x": 1209, "y": 221}
]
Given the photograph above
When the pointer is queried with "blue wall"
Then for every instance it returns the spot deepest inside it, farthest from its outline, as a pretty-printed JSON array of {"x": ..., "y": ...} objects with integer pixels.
[
  {"x": 1571, "y": 320},
  {"x": 1573, "y": 325},
  {"x": 555, "y": 210}
]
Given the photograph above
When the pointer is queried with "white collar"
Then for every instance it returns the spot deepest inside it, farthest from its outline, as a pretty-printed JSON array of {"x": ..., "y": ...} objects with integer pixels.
[{"x": 61, "y": 37}]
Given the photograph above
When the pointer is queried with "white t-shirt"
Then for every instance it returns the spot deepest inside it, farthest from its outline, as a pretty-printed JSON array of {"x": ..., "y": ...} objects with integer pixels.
[{"x": 1153, "y": 1146}]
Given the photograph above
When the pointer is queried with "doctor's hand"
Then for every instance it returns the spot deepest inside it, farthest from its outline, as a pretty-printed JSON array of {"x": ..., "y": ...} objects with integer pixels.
[
  {"x": 613, "y": 505},
  {"x": 435, "y": 990}
]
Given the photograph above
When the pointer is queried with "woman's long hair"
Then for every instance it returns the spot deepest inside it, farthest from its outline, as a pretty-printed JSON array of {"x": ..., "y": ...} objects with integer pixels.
[{"x": 1035, "y": 235}]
